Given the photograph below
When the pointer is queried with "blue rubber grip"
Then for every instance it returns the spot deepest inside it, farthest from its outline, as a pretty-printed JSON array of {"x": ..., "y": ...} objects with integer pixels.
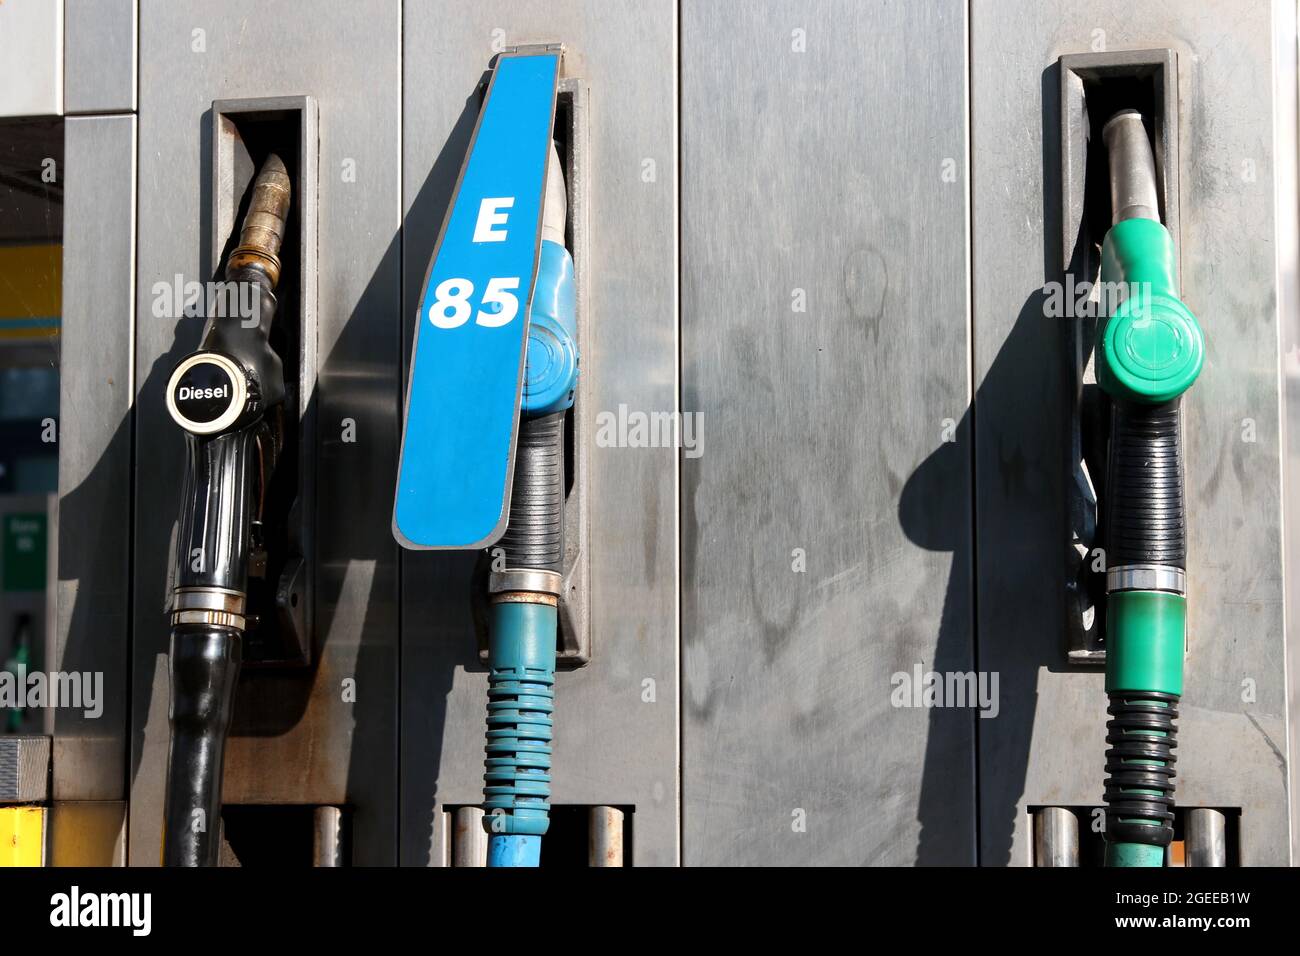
[
  {"x": 551, "y": 371},
  {"x": 521, "y": 699}
]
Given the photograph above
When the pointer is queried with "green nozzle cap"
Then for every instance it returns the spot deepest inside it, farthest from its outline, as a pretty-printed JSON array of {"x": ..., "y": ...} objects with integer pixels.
[{"x": 1151, "y": 349}]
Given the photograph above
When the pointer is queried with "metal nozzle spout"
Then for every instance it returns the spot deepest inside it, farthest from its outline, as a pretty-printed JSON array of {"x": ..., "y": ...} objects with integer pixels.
[
  {"x": 1133, "y": 192},
  {"x": 555, "y": 205},
  {"x": 263, "y": 229}
]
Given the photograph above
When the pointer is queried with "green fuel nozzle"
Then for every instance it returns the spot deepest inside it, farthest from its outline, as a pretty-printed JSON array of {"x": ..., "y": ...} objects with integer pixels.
[{"x": 1149, "y": 351}]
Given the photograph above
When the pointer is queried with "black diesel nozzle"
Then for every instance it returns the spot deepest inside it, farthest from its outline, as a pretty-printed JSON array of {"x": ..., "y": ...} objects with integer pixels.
[{"x": 220, "y": 395}]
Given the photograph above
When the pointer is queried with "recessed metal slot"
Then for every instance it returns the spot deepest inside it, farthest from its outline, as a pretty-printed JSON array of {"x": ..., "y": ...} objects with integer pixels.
[
  {"x": 573, "y": 636},
  {"x": 1093, "y": 88},
  {"x": 281, "y": 572}
]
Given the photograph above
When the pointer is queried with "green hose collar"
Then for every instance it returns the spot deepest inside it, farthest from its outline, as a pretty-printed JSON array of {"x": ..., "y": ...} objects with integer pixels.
[{"x": 1145, "y": 635}]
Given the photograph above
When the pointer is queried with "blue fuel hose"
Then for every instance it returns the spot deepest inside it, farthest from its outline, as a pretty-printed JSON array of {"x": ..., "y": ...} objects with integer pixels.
[
  {"x": 510, "y": 850},
  {"x": 521, "y": 701},
  {"x": 522, "y": 624}
]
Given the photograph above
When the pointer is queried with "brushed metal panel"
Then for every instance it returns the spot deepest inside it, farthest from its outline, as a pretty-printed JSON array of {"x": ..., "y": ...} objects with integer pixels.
[
  {"x": 99, "y": 56},
  {"x": 1287, "y": 137},
  {"x": 297, "y": 737},
  {"x": 836, "y": 172},
  {"x": 95, "y": 425},
  {"x": 1046, "y": 747},
  {"x": 31, "y": 58},
  {"x": 24, "y": 769},
  {"x": 611, "y": 746}
]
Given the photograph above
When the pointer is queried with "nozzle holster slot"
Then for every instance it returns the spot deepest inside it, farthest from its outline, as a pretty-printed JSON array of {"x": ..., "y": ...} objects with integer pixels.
[
  {"x": 282, "y": 558},
  {"x": 1093, "y": 86},
  {"x": 573, "y": 635}
]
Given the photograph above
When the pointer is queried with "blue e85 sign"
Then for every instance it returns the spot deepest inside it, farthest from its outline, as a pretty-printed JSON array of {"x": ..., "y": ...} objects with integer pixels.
[{"x": 462, "y": 405}]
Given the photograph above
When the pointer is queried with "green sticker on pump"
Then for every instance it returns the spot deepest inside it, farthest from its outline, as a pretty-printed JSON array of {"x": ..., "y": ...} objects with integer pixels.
[{"x": 24, "y": 552}]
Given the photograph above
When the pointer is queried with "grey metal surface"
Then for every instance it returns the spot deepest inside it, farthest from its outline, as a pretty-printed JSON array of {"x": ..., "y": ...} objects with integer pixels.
[
  {"x": 1046, "y": 746},
  {"x": 836, "y": 436},
  {"x": 99, "y": 56},
  {"x": 1286, "y": 120},
  {"x": 31, "y": 58},
  {"x": 95, "y": 430},
  {"x": 24, "y": 769},
  {"x": 1206, "y": 842},
  {"x": 1056, "y": 837},
  {"x": 332, "y": 729},
  {"x": 616, "y": 719}
]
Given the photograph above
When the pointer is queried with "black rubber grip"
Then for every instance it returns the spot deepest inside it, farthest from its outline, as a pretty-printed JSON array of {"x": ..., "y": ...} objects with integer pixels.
[
  {"x": 1145, "y": 512},
  {"x": 534, "y": 537},
  {"x": 1140, "y": 767},
  {"x": 204, "y": 663},
  {"x": 218, "y": 502}
]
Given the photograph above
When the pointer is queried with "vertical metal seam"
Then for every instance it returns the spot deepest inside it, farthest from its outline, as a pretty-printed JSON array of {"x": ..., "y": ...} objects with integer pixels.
[
  {"x": 129, "y": 717},
  {"x": 400, "y": 408},
  {"x": 677, "y": 478},
  {"x": 128, "y": 422},
  {"x": 971, "y": 389},
  {"x": 1286, "y": 93}
]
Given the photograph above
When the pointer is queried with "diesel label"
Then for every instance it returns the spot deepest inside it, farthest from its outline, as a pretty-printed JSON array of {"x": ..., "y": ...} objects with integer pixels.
[{"x": 186, "y": 392}]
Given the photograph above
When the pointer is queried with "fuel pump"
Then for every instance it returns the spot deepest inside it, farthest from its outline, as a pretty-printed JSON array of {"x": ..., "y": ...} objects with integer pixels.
[
  {"x": 1149, "y": 351},
  {"x": 228, "y": 397},
  {"x": 483, "y": 447}
]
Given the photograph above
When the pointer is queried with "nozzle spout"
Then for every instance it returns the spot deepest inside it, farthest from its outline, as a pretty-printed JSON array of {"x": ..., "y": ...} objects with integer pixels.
[
  {"x": 555, "y": 205},
  {"x": 1133, "y": 192},
  {"x": 263, "y": 229}
]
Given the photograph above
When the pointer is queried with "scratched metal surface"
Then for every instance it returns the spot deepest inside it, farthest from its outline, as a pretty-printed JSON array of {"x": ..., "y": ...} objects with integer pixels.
[
  {"x": 1287, "y": 183},
  {"x": 100, "y": 56},
  {"x": 295, "y": 738},
  {"x": 94, "y": 528},
  {"x": 839, "y": 171},
  {"x": 612, "y": 745},
  {"x": 1047, "y": 745}
]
